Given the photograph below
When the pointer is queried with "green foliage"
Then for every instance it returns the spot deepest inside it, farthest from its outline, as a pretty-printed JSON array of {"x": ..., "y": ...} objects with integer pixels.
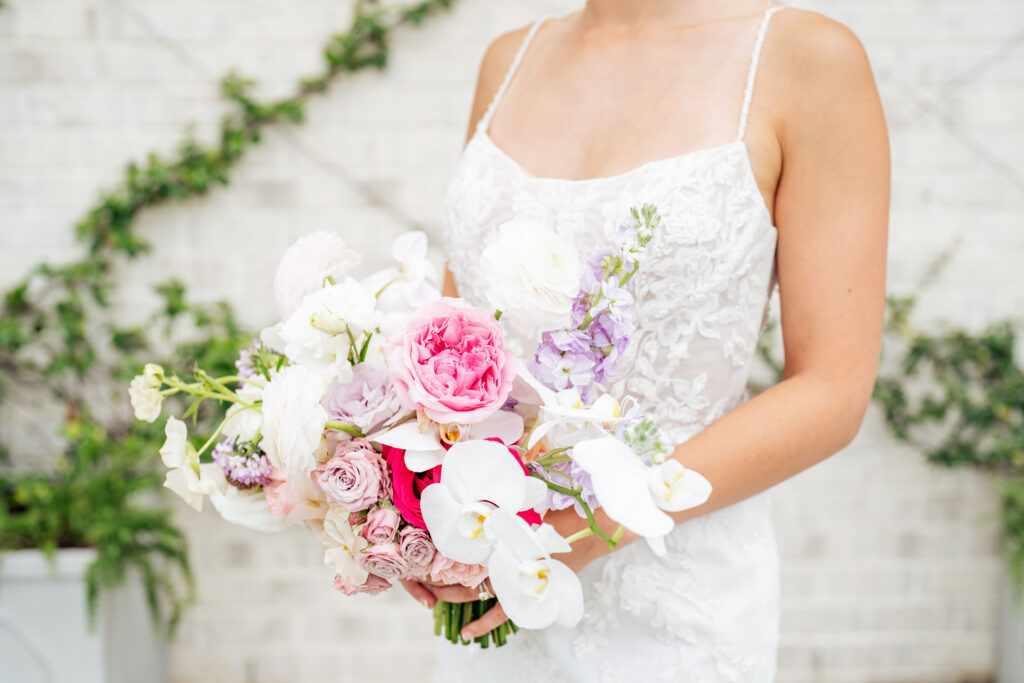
[
  {"x": 57, "y": 333},
  {"x": 97, "y": 498}
]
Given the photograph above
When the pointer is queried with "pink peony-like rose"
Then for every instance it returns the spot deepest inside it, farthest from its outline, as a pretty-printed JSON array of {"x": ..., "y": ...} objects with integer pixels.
[
  {"x": 381, "y": 526},
  {"x": 407, "y": 486},
  {"x": 416, "y": 546},
  {"x": 385, "y": 560},
  {"x": 373, "y": 585},
  {"x": 355, "y": 476},
  {"x": 449, "y": 571},
  {"x": 452, "y": 364}
]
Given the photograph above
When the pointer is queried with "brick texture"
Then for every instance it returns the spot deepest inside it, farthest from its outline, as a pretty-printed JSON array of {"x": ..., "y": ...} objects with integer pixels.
[{"x": 890, "y": 567}]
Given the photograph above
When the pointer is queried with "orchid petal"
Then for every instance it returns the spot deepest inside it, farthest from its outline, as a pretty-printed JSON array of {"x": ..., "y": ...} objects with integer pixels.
[
  {"x": 567, "y": 591},
  {"x": 657, "y": 544},
  {"x": 484, "y": 470},
  {"x": 408, "y": 437},
  {"x": 421, "y": 461},
  {"x": 503, "y": 424},
  {"x": 619, "y": 479},
  {"x": 525, "y": 610},
  {"x": 536, "y": 492},
  {"x": 441, "y": 513},
  {"x": 676, "y": 488}
]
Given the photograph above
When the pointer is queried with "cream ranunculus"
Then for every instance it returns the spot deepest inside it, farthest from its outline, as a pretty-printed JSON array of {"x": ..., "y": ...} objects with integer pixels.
[
  {"x": 243, "y": 422},
  {"x": 533, "y": 274},
  {"x": 145, "y": 397}
]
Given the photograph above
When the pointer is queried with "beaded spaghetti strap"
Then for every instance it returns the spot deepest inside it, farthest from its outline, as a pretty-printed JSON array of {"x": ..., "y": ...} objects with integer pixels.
[
  {"x": 486, "y": 118},
  {"x": 752, "y": 73}
]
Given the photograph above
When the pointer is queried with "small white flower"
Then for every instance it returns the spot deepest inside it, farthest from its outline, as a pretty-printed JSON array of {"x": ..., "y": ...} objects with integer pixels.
[
  {"x": 533, "y": 275},
  {"x": 145, "y": 397},
  {"x": 534, "y": 589},
  {"x": 186, "y": 477},
  {"x": 343, "y": 546},
  {"x": 306, "y": 267},
  {"x": 153, "y": 373},
  {"x": 323, "y": 330},
  {"x": 478, "y": 477}
]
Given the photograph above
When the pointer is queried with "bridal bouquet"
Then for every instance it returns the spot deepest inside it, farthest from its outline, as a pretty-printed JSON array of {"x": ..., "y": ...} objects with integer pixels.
[{"x": 398, "y": 427}]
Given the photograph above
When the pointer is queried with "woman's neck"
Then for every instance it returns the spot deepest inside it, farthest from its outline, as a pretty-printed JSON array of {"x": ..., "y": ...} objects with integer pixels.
[{"x": 630, "y": 14}]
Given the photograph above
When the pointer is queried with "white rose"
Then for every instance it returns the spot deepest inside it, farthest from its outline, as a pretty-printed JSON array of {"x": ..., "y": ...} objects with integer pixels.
[
  {"x": 146, "y": 399},
  {"x": 533, "y": 275},
  {"x": 319, "y": 334},
  {"x": 305, "y": 267},
  {"x": 293, "y": 422},
  {"x": 247, "y": 508}
]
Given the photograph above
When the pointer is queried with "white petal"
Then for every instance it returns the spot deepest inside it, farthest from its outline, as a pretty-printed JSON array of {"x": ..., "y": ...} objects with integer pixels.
[
  {"x": 657, "y": 544},
  {"x": 547, "y": 397},
  {"x": 247, "y": 508},
  {"x": 409, "y": 247},
  {"x": 550, "y": 540},
  {"x": 536, "y": 492},
  {"x": 676, "y": 488},
  {"x": 526, "y": 610},
  {"x": 541, "y": 430},
  {"x": 441, "y": 514},
  {"x": 511, "y": 532},
  {"x": 484, "y": 470},
  {"x": 566, "y": 590},
  {"x": 421, "y": 461},
  {"x": 503, "y": 424},
  {"x": 178, "y": 480},
  {"x": 408, "y": 437},
  {"x": 620, "y": 483}
]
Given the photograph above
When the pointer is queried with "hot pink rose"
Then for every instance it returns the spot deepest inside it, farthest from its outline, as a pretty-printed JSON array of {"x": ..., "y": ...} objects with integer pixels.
[
  {"x": 449, "y": 571},
  {"x": 373, "y": 585},
  {"x": 355, "y": 476},
  {"x": 452, "y": 364},
  {"x": 385, "y": 560},
  {"x": 381, "y": 526},
  {"x": 416, "y": 546},
  {"x": 407, "y": 486}
]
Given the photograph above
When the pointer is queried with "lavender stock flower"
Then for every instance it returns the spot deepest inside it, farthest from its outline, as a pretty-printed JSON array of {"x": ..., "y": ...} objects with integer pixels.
[{"x": 242, "y": 470}]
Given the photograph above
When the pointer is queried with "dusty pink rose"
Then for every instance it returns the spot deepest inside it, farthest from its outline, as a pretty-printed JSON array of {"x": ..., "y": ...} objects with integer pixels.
[
  {"x": 373, "y": 585},
  {"x": 381, "y": 526},
  {"x": 416, "y": 547},
  {"x": 385, "y": 560},
  {"x": 452, "y": 364},
  {"x": 355, "y": 476},
  {"x": 445, "y": 570}
]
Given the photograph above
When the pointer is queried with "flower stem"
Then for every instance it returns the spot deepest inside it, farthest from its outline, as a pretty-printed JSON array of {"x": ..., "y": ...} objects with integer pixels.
[
  {"x": 344, "y": 427},
  {"x": 582, "y": 533},
  {"x": 577, "y": 494}
]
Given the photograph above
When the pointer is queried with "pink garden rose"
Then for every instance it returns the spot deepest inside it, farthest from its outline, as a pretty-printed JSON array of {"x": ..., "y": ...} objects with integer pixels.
[
  {"x": 452, "y": 364},
  {"x": 381, "y": 526},
  {"x": 416, "y": 547},
  {"x": 355, "y": 476},
  {"x": 385, "y": 560},
  {"x": 407, "y": 486},
  {"x": 449, "y": 571},
  {"x": 373, "y": 585}
]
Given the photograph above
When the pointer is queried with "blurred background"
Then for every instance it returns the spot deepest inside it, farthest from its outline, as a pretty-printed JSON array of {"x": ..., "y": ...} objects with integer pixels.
[{"x": 894, "y": 563}]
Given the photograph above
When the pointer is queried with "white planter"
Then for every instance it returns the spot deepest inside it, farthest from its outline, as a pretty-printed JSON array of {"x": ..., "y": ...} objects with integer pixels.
[
  {"x": 44, "y": 632},
  {"x": 1011, "y": 637}
]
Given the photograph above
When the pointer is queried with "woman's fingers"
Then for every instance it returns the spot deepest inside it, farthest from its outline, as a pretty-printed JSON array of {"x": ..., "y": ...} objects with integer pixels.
[
  {"x": 491, "y": 619},
  {"x": 423, "y": 594},
  {"x": 455, "y": 593}
]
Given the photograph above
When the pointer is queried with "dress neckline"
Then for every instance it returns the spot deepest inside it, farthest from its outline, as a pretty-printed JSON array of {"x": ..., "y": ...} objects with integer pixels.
[{"x": 481, "y": 135}]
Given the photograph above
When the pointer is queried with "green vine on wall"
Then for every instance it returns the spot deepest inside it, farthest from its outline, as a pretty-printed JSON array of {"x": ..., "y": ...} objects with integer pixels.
[{"x": 57, "y": 334}]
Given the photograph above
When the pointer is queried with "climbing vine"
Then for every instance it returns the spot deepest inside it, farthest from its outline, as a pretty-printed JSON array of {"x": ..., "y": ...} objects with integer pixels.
[{"x": 57, "y": 335}]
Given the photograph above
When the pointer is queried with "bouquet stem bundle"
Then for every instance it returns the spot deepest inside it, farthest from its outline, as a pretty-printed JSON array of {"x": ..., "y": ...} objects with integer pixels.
[{"x": 451, "y": 617}]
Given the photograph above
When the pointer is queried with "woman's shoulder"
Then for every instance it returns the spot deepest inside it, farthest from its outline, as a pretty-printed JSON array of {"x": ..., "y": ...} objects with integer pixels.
[{"x": 813, "y": 45}]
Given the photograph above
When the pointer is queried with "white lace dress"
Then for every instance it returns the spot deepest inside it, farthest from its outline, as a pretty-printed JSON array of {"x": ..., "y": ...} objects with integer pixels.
[{"x": 707, "y": 611}]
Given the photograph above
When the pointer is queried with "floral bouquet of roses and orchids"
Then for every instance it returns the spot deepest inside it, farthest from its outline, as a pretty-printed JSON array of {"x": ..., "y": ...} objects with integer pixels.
[{"x": 397, "y": 426}]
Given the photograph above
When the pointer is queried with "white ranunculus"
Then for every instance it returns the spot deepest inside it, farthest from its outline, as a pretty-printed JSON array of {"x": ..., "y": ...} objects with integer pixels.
[
  {"x": 306, "y": 267},
  {"x": 343, "y": 546},
  {"x": 533, "y": 275},
  {"x": 185, "y": 476},
  {"x": 246, "y": 508},
  {"x": 242, "y": 421},
  {"x": 293, "y": 422},
  {"x": 478, "y": 477},
  {"x": 320, "y": 332},
  {"x": 145, "y": 397},
  {"x": 534, "y": 589}
]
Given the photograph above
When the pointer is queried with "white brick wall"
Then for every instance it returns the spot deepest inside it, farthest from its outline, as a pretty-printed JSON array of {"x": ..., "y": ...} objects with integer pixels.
[{"x": 889, "y": 570}]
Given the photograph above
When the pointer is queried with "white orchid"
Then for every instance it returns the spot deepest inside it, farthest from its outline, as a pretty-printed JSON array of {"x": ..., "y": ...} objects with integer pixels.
[
  {"x": 246, "y": 508},
  {"x": 478, "y": 477},
  {"x": 343, "y": 545},
  {"x": 534, "y": 274},
  {"x": 327, "y": 327},
  {"x": 410, "y": 286},
  {"x": 564, "y": 410},
  {"x": 534, "y": 590},
  {"x": 186, "y": 477},
  {"x": 676, "y": 488},
  {"x": 293, "y": 424},
  {"x": 423, "y": 442}
]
